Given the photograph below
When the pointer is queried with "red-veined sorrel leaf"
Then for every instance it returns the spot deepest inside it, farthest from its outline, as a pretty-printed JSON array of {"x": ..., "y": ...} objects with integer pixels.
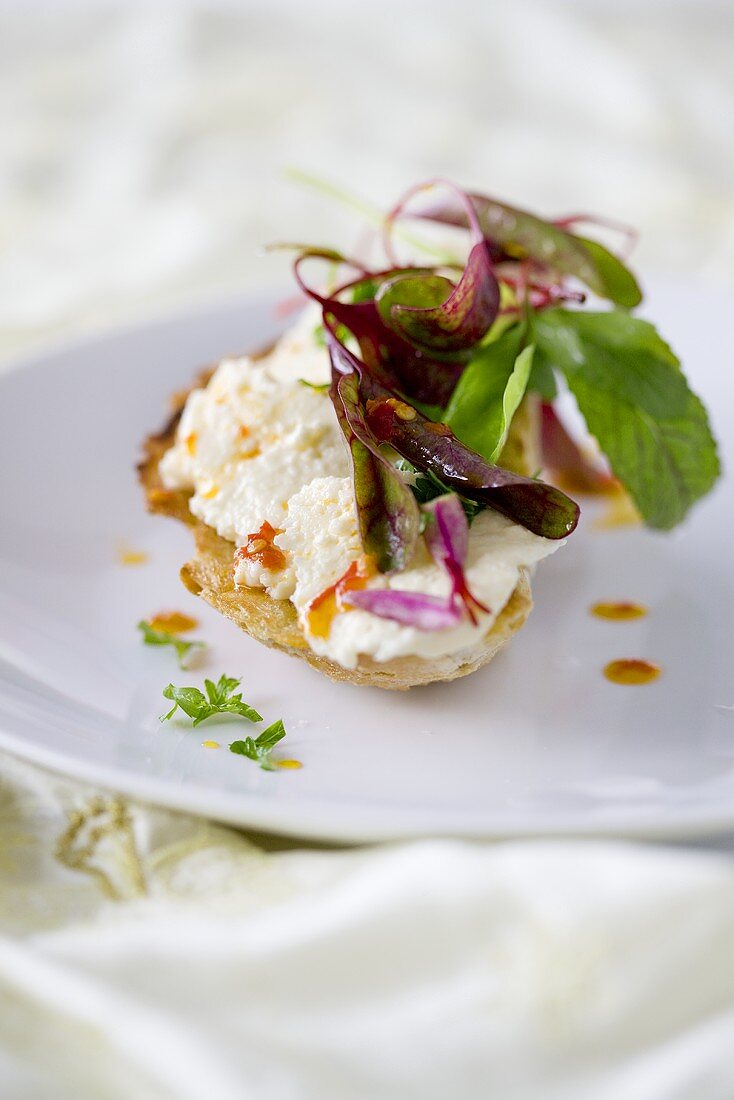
[
  {"x": 389, "y": 517},
  {"x": 432, "y": 312},
  {"x": 459, "y": 314},
  {"x": 518, "y": 235},
  {"x": 433, "y": 447},
  {"x": 424, "y": 377}
]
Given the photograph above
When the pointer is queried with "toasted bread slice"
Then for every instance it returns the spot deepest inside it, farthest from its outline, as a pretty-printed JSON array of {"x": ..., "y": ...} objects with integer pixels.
[{"x": 275, "y": 623}]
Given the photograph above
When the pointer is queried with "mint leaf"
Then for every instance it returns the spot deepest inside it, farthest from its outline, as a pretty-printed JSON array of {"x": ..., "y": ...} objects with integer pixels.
[
  {"x": 235, "y": 705},
  {"x": 617, "y": 283},
  {"x": 260, "y": 747},
  {"x": 219, "y": 699},
  {"x": 636, "y": 402},
  {"x": 164, "y": 637},
  {"x": 489, "y": 392}
]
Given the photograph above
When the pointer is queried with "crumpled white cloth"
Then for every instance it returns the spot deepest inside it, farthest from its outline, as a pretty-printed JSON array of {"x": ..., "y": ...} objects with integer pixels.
[{"x": 171, "y": 959}]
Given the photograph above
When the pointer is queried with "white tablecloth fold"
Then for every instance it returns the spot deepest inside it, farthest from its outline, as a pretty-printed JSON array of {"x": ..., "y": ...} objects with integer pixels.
[{"x": 170, "y": 958}]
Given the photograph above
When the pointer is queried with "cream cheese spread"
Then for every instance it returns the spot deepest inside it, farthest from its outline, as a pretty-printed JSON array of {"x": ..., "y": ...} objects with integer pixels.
[{"x": 259, "y": 446}]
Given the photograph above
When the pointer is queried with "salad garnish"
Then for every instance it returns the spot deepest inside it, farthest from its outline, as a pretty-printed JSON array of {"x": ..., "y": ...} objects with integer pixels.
[
  {"x": 259, "y": 748},
  {"x": 431, "y": 361},
  {"x": 220, "y": 698}
]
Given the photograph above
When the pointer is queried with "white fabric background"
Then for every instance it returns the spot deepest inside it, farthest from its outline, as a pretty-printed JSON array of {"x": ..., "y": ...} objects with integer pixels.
[
  {"x": 143, "y": 144},
  {"x": 149, "y": 955}
]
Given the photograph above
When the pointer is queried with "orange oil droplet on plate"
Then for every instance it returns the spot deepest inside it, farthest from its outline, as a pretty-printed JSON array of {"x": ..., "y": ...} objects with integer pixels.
[
  {"x": 173, "y": 622},
  {"x": 210, "y": 745},
  {"x": 618, "y": 610},
  {"x": 632, "y": 670},
  {"x": 127, "y": 555},
  {"x": 289, "y": 765}
]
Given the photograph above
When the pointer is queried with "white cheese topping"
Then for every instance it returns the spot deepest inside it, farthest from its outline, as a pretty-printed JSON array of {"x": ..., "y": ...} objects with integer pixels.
[{"x": 258, "y": 446}]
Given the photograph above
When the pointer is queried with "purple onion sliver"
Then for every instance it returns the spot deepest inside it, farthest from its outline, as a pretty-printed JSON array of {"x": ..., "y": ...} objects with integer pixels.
[
  {"x": 447, "y": 533},
  {"x": 407, "y": 608}
]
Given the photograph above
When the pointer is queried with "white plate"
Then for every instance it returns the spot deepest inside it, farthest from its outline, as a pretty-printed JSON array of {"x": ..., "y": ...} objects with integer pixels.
[{"x": 539, "y": 742}]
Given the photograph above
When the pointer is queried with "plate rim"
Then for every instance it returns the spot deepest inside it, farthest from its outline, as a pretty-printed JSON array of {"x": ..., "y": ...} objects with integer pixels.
[
  {"x": 309, "y": 820},
  {"x": 314, "y": 819}
]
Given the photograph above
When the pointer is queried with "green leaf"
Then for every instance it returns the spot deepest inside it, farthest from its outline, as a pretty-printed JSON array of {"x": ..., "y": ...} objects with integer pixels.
[
  {"x": 218, "y": 700},
  {"x": 270, "y": 737},
  {"x": 190, "y": 700},
  {"x": 513, "y": 395},
  {"x": 504, "y": 321},
  {"x": 259, "y": 748},
  {"x": 164, "y": 637},
  {"x": 235, "y": 705},
  {"x": 542, "y": 379},
  {"x": 636, "y": 402},
  {"x": 617, "y": 281},
  {"x": 219, "y": 693},
  {"x": 489, "y": 392},
  {"x": 246, "y": 747}
]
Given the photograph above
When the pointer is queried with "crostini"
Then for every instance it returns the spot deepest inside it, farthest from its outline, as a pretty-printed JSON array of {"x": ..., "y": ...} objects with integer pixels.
[{"x": 365, "y": 493}]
